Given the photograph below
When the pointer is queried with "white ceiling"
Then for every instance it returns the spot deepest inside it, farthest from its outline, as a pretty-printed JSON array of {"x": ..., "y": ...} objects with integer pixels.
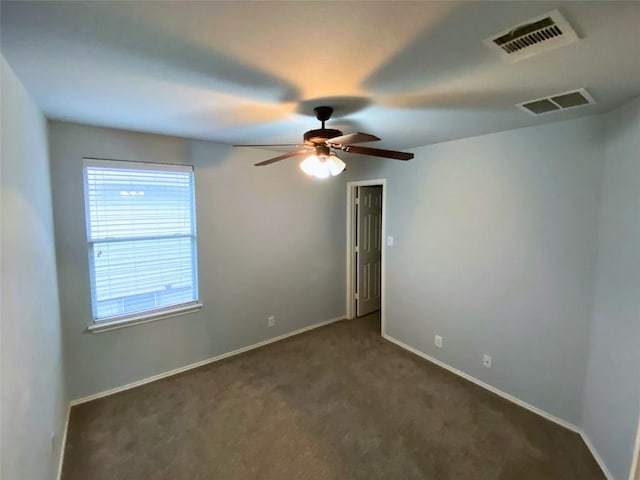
[{"x": 412, "y": 73}]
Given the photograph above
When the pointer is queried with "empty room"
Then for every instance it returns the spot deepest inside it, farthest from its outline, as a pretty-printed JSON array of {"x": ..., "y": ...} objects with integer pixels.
[{"x": 320, "y": 240}]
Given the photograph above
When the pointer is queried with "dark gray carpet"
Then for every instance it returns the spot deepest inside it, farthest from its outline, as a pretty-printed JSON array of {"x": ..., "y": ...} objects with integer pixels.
[{"x": 335, "y": 403}]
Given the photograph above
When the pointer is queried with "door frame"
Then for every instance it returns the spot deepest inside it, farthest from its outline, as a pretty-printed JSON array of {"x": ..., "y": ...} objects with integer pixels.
[{"x": 351, "y": 257}]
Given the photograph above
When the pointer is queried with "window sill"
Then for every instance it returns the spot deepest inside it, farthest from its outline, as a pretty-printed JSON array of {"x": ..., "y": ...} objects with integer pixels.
[{"x": 106, "y": 325}]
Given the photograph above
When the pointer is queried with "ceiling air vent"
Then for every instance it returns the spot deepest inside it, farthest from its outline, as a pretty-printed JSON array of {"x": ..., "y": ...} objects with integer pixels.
[
  {"x": 555, "y": 103},
  {"x": 535, "y": 36}
]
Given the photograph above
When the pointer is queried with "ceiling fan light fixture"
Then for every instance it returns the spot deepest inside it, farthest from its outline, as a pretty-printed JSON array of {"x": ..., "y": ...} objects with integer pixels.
[
  {"x": 308, "y": 165},
  {"x": 315, "y": 166},
  {"x": 322, "y": 166},
  {"x": 336, "y": 166}
]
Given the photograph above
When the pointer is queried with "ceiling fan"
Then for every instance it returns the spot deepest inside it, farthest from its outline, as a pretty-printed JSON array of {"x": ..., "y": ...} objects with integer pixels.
[{"x": 321, "y": 144}]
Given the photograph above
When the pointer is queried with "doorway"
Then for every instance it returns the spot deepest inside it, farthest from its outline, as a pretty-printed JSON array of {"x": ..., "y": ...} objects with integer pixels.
[{"x": 366, "y": 204}]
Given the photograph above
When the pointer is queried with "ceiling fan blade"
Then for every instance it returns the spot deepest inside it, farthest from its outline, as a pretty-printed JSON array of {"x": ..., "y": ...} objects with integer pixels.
[
  {"x": 377, "y": 152},
  {"x": 281, "y": 157},
  {"x": 271, "y": 145},
  {"x": 351, "y": 138}
]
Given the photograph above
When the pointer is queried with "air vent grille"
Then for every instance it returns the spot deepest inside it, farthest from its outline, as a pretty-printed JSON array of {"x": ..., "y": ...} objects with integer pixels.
[
  {"x": 558, "y": 102},
  {"x": 573, "y": 99},
  {"x": 540, "y": 106},
  {"x": 546, "y": 32}
]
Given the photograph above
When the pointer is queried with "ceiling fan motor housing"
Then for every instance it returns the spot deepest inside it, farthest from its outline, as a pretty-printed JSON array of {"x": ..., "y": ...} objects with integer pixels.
[{"x": 321, "y": 135}]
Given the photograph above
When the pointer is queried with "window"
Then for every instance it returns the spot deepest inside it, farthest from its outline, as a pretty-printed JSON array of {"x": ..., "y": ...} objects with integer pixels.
[{"x": 141, "y": 235}]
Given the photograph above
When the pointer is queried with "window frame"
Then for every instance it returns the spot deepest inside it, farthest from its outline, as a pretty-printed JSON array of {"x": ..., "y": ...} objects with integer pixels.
[{"x": 98, "y": 325}]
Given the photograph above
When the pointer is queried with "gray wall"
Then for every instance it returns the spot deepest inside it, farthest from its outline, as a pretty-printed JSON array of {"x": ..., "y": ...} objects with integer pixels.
[
  {"x": 495, "y": 241},
  {"x": 270, "y": 241},
  {"x": 33, "y": 400},
  {"x": 612, "y": 395}
]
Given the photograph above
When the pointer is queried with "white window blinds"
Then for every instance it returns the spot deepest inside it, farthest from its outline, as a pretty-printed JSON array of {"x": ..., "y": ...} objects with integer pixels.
[{"x": 141, "y": 234}]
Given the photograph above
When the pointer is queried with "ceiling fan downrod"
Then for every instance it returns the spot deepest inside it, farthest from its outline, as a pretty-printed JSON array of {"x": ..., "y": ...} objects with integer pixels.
[{"x": 321, "y": 135}]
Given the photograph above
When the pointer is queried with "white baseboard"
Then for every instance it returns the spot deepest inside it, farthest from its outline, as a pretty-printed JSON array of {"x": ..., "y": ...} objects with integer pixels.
[
  {"x": 634, "y": 472},
  {"x": 144, "y": 381},
  {"x": 511, "y": 398},
  {"x": 491, "y": 388},
  {"x": 403, "y": 345},
  {"x": 63, "y": 443},
  {"x": 597, "y": 456}
]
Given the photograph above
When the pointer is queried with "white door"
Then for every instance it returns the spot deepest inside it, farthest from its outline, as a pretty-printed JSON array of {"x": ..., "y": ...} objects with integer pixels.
[{"x": 368, "y": 249}]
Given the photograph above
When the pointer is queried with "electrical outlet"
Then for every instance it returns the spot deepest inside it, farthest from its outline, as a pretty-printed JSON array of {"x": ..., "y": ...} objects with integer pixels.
[
  {"x": 271, "y": 321},
  {"x": 486, "y": 360},
  {"x": 438, "y": 341}
]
